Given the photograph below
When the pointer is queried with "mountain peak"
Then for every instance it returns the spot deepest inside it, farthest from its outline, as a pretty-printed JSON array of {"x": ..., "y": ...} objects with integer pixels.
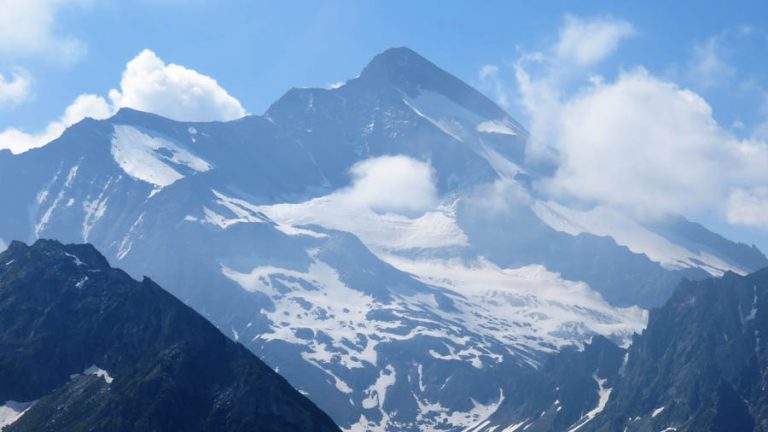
[
  {"x": 411, "y": 73},
  {"x": 398, "y": 58},
  {"x": 132, "y": 115},
  {"x": 403, "y": 66},
  {"x": 52, "y": 250}
]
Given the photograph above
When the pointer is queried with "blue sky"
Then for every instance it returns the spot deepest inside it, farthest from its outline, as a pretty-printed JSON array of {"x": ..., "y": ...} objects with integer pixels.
[
  {"x": 256, "y": 50},
  {"x": 259, "y": 49}
]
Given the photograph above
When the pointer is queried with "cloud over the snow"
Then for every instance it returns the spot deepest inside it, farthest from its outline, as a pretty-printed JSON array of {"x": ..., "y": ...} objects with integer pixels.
[
  {"x": 147, "y": 84},
  {"x": 396, "y": 184}
]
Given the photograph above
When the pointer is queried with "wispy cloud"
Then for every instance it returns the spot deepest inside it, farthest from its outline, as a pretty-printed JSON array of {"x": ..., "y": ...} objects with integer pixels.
[
  {"x": 707, "y": 66},
  {"x": 587, "y": 41},
  {"x": 27, "y": 29},
  {"x": 14, "y": 89}
]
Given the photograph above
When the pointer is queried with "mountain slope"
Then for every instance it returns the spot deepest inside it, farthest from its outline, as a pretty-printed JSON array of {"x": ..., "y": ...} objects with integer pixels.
[
  {"x": 387, "y": 320},
  {"x": 96, "y": 350},
  {"x": 701, "y": 365}
]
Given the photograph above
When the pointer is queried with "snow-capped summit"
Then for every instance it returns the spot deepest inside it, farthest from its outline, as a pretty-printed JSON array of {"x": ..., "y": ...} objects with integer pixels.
[{"x": 408, "y": 297}]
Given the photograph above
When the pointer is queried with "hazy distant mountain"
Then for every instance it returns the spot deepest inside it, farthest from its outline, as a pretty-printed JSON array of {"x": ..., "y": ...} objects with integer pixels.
[
  {"x": 85, "y": 347},
  {"x": 386, "y": 319}
]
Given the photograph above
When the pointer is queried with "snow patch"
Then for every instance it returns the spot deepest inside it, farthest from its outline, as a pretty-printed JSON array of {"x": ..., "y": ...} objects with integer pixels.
[
  {"x": 94, "y": 210},
  {"x": 388, "y": 231},
  {"x": 97, "y": 371},
  {"x": 515, "y": 427},
  {"x": 495, "y": 127},
  {"x": 75, "y": 259},
  {"x": 466, "y": 126},
  {"x": 531, "y": 307},
  {"x": 753, "y": 312},
  {"x": 127, "y": 242},
  {"x": 46, "y": 217},
  {"x": 240, "y": 211},
  {"x": 377, "y": 392},
  {"x": 151, "y": 159},
  {"x": 11, "y": 411},
  {"x": 604, "y": 394}
]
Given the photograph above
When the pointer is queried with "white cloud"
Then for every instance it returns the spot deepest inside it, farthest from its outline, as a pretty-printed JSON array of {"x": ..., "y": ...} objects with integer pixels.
[
  {"x": 86, "y": 105},
  {"x": 637, "y": 142},
  {"x": 649, "y": 146},
  {"x": 748, "y": 207},
  {"x": 15, "y": 90},
  {"x": 499, "y": 198},
  {"x": 148, "y": 84},
  {"x": 27, "y": 29},
  {"x": 542, "y": 76},
  {"x": 493, "y": 85},
  {"x": 173, "y": 91},
  {"x": 587, "y": 41},
  {"x": 394, "y": 184}
]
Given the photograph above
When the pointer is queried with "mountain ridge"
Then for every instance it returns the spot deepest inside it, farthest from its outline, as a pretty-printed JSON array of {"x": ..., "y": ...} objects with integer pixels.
[{"x": 157, "y": 364}]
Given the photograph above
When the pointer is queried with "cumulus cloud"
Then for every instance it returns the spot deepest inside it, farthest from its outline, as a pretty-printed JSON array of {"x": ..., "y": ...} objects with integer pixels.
[
  {"x": 391, "y": 184},
  {"x": 18, "y": 141},
  {"x": 541, "y": 76},
  {"x": 638, "y": 142},
  {"x": 14, "y": 90},
  {"x": 27, "y": 29},
  {"x": 647, "y": 145},
  {"x": 173, "y": 91},
  {"x": 147, "y": 84}
]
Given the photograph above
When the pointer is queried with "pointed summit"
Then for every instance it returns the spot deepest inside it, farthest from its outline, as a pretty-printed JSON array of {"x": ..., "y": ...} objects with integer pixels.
[
  {"x": 411, "y": 73},
  {"x": 396, "y": 64}
]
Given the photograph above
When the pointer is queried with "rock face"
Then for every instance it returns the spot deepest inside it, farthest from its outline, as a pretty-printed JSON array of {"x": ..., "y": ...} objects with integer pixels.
[
  {"x": 701, "y": 365},
  {"x": 94, "y": 349},
  {"x": 428, "y": 319}
]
